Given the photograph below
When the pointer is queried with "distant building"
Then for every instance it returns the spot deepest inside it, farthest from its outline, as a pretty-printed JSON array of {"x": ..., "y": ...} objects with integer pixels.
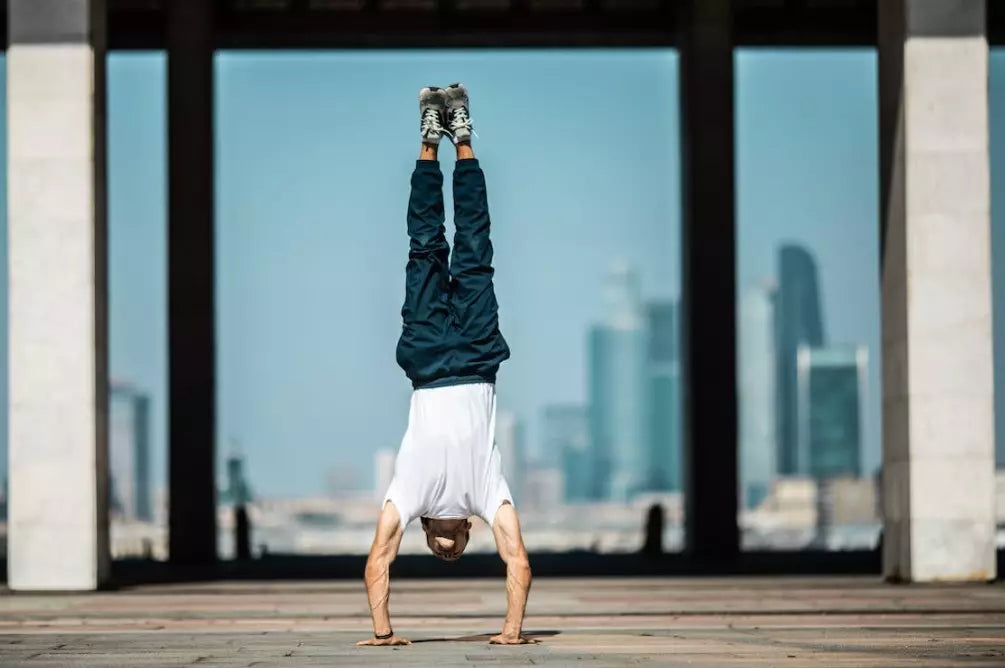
[
  {"x": 849, "y": 500},
  {"x": 757, "y": 375},
  {"x": 831, "y": 388},
  {"x": 664, "y": 467},
  {"x": 383, "y": 471},
  {"x": 1000, "y": 496},
  {"x": 791, "y": 504},
  {"x": 238, "y": 491},
  {"x": 509, "y": 441},
  {"x": 566, "y": 430},
  {"x": 798, "y": 322},
  {"x": 129, "y": 452},
  {"x": 344, "y": 480},
  {"x": 543, "y": 489},
  {"x": 619, "y": 409}
]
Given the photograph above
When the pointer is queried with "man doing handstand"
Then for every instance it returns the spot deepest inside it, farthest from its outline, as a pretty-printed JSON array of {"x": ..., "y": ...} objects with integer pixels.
[{"x": 448, "y": 468}]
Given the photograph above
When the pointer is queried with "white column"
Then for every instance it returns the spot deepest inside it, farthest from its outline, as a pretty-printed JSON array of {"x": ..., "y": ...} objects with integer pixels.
[
  {"x": 58, "y": 536},
  {"x": 938, "y": 440}
]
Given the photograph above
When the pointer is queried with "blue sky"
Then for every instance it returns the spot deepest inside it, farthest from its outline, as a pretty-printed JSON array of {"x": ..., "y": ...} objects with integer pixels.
[{"x": 580, "y": 149}]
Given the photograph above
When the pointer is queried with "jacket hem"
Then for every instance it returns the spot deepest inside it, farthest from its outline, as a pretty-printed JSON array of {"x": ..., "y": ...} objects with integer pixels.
[{"x": 454, "y": 380}]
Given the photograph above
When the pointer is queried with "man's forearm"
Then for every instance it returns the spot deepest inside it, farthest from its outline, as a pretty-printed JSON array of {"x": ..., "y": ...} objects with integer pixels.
[
  {"x": 518, "y": 578},
  {"x": 378, "y": 591}
]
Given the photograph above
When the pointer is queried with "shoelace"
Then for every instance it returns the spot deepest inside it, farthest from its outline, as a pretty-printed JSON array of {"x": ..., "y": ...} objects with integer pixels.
[
  {"x": 431, "y": 121},
  {"x": 459, "y": 119}
]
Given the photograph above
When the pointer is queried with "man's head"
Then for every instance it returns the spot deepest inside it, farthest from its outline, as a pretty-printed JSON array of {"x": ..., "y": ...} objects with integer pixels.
[{"x": 446, "y": 538}]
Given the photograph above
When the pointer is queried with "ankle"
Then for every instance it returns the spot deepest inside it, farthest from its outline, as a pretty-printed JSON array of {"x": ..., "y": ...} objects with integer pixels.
[{"x": 428, "y": 151}]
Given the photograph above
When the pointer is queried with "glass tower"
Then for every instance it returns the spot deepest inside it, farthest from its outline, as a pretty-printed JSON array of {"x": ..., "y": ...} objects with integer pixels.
[
  {"x": 798, "y": 322},
  {"x": 831, "y": 389},
  {"x": 567, "y": 437},
  {"x": 619, "y": 426},
  {"x": 664, "y": 398}
]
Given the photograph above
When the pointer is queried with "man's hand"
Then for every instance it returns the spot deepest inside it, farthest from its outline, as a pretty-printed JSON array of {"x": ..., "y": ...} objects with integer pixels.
[
  {"x": 507, "y": 639},
  {"x": 378, "y": 642}
]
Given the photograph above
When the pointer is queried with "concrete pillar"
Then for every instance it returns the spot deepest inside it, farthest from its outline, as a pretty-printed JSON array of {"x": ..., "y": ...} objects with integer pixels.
[
  {"x": 191, "y": 296},
  {"x": 58, "y": 517},
  {"x": 708, "y": 240},
  {"x": 938, "y": 431}
]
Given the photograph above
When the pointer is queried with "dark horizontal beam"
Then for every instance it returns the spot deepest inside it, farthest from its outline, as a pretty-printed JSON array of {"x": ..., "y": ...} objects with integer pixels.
[
  {"x": 596, "y": 23},
  {"x": 797, "y": 26},
  {"x": 996, "y": 22},
  {"x": 448, "y": 29},
  {"x": 137, "y": 30}
]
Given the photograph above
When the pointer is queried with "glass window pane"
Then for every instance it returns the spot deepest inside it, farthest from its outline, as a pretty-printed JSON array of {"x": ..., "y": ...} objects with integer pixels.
[
  {"x": 137, "y": 311},
  {"x": 314, "y": 156},
  {"x": 808, "y": 298},
  {"x": 996, "y": 109},
  {"x": 3, "y": 309}
]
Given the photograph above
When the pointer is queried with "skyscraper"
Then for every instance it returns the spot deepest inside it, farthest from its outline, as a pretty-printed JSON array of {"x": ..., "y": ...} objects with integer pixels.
[
  {"x": 664, "y": 397},
  {"x": 757, "y": 373},
  {"x": 509, "y": 441},
  {"x": 619, "y": 411},
  {"x": 566, "y": 430},
  {"x": 129, "y": 452},
  {"x": 798, "y": 322},
  {"x": 831, "y": 391}
]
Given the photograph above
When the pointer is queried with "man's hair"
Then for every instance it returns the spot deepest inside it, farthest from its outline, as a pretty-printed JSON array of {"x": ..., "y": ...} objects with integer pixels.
[{"x": 436, "y": 539}]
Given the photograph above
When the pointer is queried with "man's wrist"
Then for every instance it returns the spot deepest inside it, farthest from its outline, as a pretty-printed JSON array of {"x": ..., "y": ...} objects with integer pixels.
[
  {"x": 511, "y": 630},
  {"x": 384, "y": 636}
]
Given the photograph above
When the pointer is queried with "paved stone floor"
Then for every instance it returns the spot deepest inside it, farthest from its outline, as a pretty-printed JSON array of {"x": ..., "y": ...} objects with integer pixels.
[{"x": 790, "y": 622}]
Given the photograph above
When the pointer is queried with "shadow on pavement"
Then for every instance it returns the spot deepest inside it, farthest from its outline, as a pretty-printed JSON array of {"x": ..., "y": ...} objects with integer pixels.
[{"x": 484, "y": 637}]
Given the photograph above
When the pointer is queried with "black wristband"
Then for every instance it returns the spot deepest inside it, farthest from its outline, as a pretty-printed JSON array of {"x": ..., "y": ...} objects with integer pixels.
[{"x": 386, "y": 636}]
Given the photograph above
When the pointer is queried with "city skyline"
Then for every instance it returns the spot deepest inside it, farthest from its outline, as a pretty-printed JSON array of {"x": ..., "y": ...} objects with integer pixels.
[
  {"x": 646, "y": 347},
  {"x": 636, "y": 343}
]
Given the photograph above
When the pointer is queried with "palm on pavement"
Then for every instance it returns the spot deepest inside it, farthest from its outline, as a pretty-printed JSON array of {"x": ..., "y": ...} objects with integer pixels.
[
  {"x": 384, "y": 642},
  {"x": 505, "y": 639}
]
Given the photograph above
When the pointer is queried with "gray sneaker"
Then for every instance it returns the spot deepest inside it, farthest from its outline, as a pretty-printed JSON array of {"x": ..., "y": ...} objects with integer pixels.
[
  {"x": 432, "y": 114},
  {"x": 458, "y": 114}
]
